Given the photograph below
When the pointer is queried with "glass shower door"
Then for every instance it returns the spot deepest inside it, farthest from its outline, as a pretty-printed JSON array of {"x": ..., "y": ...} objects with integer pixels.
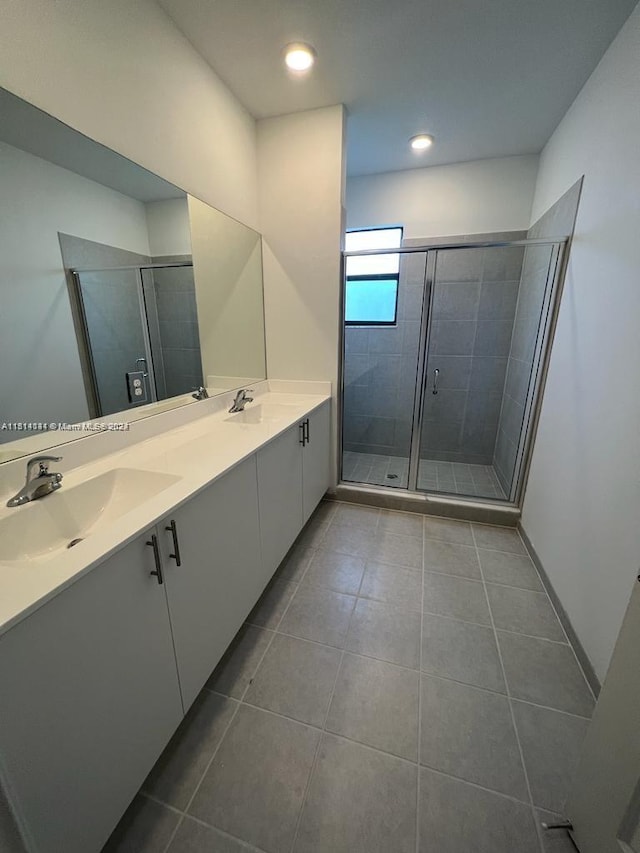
[
  {"x": 489, "y": 310},
  {"x": 472, "y": 309},
  {"x": 117, "y": 339}
]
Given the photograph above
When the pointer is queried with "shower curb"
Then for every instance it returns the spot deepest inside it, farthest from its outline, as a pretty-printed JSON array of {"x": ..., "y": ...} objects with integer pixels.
[{"x": 464, "y": 510}]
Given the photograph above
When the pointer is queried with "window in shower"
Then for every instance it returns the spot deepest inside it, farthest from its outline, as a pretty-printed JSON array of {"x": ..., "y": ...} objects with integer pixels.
[
  {"x": 371, "y": 288},
  {"x": 371, "y": 300}
]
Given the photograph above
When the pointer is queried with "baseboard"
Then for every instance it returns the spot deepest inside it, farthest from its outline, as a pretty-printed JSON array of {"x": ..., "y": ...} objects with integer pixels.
[{"x": 585, "y": 663}]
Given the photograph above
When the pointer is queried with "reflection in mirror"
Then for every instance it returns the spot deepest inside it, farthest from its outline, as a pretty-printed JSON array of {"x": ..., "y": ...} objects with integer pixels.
[
  {"x": 227, "y": 265},
  {"x": 119, "y": 295},
  {"x": 136, "y": 319}
]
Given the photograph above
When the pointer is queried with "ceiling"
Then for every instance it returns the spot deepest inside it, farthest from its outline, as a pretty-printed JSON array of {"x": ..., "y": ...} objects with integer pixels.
[
  {"x": 30, "y": 129},
  {"x": 488, "y": 78}
]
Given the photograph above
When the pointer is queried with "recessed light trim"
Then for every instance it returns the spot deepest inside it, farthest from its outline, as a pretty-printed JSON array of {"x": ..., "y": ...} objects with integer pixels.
[
  {"x": 421, "y": 141},
  {"x": 299, "y": 57}
]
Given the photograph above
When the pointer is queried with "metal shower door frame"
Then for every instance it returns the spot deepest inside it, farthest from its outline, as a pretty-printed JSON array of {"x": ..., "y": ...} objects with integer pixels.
[
  {"x": 421, "y": 368},
  {"x": 540, "y": 365},
  {"x": 541, "y": 360},
  {"x": 144, "y": 318}
]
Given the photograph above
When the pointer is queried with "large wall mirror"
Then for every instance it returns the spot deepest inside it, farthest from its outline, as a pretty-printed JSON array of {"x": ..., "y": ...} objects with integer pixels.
[{"x": 119, "y": 293}]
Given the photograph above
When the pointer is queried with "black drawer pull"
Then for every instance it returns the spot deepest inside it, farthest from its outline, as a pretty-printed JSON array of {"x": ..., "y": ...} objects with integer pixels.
[
  {"x": 171, "y": 527},
  {"x": 156, "y": 556}
]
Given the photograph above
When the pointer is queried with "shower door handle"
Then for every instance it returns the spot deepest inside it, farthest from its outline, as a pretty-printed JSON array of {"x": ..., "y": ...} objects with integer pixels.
[{"x": 436, "y": 375}]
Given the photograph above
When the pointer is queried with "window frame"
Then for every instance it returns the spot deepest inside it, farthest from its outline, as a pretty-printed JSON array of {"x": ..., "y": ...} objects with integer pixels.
[
  {"x": 387, "y": 276},
  {"x": 399, "y": 228}
]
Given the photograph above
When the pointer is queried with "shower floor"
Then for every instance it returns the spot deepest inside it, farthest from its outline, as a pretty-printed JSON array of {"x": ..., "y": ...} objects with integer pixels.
[{"x": 453, "y": 477}]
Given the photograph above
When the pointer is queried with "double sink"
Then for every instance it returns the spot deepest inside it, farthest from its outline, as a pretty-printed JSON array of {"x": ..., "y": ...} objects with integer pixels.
[{"x": 42, "y": 529}]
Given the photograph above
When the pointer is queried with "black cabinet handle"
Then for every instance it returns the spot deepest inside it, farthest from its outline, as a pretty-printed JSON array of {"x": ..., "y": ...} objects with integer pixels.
[
  {"x": 176, "y": 545},
  {"x": 156, "y": 556},
  {"x": 306, "y": 434},
  {"x": 302, "y": 434}
]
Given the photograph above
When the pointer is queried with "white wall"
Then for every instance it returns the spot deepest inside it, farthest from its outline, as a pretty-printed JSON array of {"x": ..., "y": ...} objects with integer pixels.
[
  {"x": 582, "y": 506},
  {"x": 41, "y": 378},
  {"x": 464, "y": 198},
  {"x": 168, "y": 226},
  {"x": 122, "y": 73},
  {"x": 301, "y": 179}
]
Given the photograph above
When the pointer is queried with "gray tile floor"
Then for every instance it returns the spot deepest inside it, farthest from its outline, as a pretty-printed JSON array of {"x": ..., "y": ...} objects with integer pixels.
[
  {"x": 403, "y": 686},
  {"x": 451, "y": 477}
]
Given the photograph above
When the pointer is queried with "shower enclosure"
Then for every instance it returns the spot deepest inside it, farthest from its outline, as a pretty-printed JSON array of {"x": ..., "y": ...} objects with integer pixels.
[
  {"x": 442, "y": 396},
  {"x": 138, "y": 333}
]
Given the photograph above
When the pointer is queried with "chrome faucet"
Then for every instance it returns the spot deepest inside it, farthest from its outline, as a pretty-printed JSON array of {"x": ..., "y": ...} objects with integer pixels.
[
  {"x": 39, "y": 481},
  {"x": 241, "y": 400},
  {"x": 200, "y": 393}
]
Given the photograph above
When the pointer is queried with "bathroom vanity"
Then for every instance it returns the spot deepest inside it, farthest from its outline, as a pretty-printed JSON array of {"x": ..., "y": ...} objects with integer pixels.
[{"x": 105, "y": 645}]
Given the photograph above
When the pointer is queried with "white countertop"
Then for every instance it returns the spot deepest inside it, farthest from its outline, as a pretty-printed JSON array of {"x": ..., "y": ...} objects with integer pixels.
[{"x": 198, "y": 453}]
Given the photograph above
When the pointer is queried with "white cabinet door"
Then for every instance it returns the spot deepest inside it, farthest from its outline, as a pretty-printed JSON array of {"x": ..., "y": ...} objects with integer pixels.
[
  {"x": 280, "y": 497},
  {"x": 219, "y": 579},
  {"x": 316, "y": 459},
  {"x": 89, "y": 699}
]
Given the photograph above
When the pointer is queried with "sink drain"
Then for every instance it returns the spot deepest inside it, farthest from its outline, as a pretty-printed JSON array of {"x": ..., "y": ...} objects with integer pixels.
[{"x": 74, "y": 542}]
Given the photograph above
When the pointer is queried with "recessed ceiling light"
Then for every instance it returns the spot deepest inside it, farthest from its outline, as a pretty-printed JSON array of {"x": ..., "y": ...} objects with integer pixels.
[
  {"x": 299, "y": 56},
  {"x": 421, "y": 142}
]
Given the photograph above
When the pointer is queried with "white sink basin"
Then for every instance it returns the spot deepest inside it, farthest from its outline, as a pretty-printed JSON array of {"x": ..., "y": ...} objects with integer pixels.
[
  {"x": 43, "y": 528},
  {"x": 262, "y": 413}
]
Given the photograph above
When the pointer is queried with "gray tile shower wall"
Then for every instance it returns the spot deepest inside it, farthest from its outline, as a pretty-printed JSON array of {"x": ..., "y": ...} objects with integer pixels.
[
  {"x": 558, "y": 221},
  {"x": 178, "y": 334}
]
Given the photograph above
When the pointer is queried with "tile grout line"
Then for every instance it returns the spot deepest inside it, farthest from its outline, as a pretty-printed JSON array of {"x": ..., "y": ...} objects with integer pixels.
[
  {"x": 501, "y": 630},
  {"x": 323, "y": 729},
  {"x": 432, "y": 570},
  {"x": 396, "y": 607},
  {"x": 504, "y": 695},
  {"x": 471, "y": 784},
  {"x": 419, "y": 739},
  {"x": 404, "y": 669},
  {"x": 184, "y": 815},
  {"x": 368, "y": 528},
  {"x": 537, "y": 826},
  {"x": 349, "y": 740},
  {"x": 215, "y": 752}
]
